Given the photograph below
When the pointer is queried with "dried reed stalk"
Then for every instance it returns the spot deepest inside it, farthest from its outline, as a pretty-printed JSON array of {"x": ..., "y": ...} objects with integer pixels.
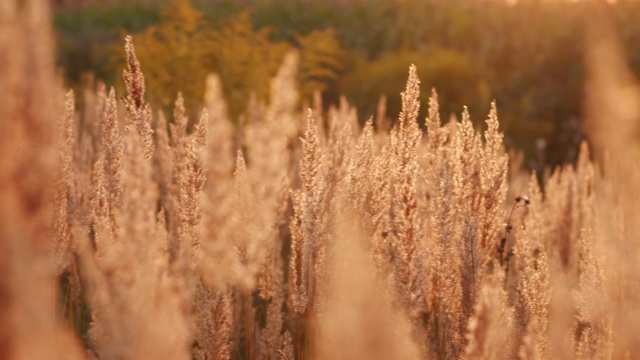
[
  {"x": 407, "y": 230},
  {"x": 30, "y": 103}
]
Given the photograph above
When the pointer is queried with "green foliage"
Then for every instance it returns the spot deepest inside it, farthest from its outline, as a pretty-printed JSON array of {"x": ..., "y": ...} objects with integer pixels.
[
  {"x": 88, "y": 36},
  {"x": 321, "y": 61},
  {"x": 245, "y": 59},
  {"x": 176, "y": 55},
  {"x": 454, "y": 75},
  {"x": 179, "y": 52}
]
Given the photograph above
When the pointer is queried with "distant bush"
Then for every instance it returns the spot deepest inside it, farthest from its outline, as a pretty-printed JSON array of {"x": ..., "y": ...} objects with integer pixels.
[
  {"x": 184, "y": 47},
  {"x": 89, "y": 37},
  {"x": 178, "y": 54},
  {"x": 455, "y": 76}
]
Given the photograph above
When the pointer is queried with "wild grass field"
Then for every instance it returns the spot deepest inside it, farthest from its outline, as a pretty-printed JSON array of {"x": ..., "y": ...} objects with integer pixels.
[{"x": 127, "y": 233}]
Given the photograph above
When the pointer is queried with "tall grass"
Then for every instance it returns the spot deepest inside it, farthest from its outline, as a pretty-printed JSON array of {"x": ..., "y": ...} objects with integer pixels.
[{"x": 301, "y": 235}]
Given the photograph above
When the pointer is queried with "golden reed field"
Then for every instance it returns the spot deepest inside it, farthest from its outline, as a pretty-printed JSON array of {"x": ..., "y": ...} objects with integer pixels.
[{"x": 131, "y": 234}]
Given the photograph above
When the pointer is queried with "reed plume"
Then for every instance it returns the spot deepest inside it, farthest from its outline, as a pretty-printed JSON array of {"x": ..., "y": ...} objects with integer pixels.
[{"x": 407, "y": 230}]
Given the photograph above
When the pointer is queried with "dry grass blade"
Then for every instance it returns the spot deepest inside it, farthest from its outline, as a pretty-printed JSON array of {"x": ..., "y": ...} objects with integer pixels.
[{"x": 407, "y": 228}]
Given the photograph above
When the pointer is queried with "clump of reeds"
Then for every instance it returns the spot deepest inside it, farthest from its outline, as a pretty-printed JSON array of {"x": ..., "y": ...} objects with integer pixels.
[{"x": 294, "y": 234}]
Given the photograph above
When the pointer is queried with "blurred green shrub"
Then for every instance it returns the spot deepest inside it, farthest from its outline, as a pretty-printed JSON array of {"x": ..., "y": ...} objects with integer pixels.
[
  {"x": 245, "y": 59},
  {"x": 88, "y": 36},
  {"x": 455, "y": 76},
  {"x": 177, "y": 53},
  {"x": 321, "y": 61}
]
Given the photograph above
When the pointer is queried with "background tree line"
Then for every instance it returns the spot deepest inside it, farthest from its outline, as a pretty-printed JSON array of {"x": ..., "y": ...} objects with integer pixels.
[{"x": 528, "y": 55}]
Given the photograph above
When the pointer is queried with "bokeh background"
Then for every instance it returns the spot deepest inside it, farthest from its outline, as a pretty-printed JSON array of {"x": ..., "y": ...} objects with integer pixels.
[{"x": 528, "y": 55}]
